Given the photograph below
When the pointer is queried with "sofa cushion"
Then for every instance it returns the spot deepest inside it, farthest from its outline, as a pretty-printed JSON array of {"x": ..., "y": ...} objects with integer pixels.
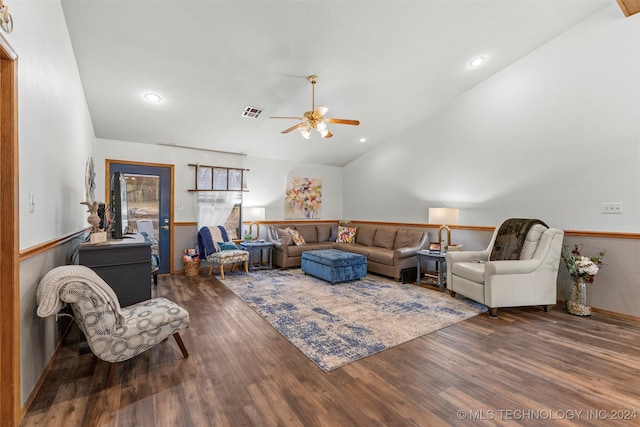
[
  {"x": 407, "y": 238},
  {"x": 380, "y": 255},
  {"x": 365, "y": 234},
  {"x": 284, "y": 235},
  {"x": 297, "y": 237},
  {"x": 385, "y": 237},
  {"x": 324, "y": 232},
  {"x": 296, "y": 251},
  {"x": 308, "y": 232},
  {"x": 356, "y": 249},
  {"x": 346, "y": 234}
]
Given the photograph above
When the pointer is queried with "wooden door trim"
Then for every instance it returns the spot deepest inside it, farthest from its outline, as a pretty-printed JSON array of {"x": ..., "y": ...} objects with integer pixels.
[
  {"x": 9, "y": 238},
  {"x": 107, "y": 186}
]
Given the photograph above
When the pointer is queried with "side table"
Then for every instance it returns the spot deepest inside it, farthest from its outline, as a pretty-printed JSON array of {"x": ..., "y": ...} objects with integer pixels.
[
  {"x": 259, "y": 249},
  {"x": 441, "y": 265}
]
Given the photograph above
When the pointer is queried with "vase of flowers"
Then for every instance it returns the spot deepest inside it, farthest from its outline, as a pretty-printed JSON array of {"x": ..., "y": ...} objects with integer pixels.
[{"x": 583, "y": 270}]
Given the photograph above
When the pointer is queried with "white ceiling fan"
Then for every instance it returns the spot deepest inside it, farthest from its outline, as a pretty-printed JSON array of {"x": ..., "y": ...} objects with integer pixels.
[{"x": 315, "y": 119}]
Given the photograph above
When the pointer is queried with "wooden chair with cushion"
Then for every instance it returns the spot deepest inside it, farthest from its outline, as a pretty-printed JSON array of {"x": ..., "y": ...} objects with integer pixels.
[{"x": 214, "y": 247}]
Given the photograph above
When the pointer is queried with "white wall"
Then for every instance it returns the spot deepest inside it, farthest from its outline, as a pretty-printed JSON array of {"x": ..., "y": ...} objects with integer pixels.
[
  {"x": 552, "y": 136},
  {"x": 55, "y": 139},
  {"x": 55, "y": 130},
  {"x": 266, "y": 178}
]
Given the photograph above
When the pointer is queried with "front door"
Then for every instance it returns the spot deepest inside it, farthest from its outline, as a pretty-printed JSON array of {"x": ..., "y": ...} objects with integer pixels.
[{"x": 149, "y": 198}]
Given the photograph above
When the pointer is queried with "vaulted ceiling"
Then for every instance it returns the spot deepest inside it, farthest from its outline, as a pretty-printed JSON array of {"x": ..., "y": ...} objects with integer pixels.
[{"x": 389, "y": 64}]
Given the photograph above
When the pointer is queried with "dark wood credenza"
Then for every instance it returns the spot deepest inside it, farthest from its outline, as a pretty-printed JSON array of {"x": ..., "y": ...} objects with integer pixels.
[{"x": 124, "y": 264}]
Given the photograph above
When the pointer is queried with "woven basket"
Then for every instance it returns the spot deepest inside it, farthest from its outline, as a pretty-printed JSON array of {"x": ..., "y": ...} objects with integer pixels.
[{"x": 192, "y": 268}]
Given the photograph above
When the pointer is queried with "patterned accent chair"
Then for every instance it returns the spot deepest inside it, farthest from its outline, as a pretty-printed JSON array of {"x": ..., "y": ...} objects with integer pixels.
[
  {"x": 214, "y": 247},
  {"x": 114, "y": 334}
]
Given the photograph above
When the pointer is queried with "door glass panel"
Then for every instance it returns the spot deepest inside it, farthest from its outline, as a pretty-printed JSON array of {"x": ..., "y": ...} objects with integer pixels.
[{"x": 143, "y": 200}]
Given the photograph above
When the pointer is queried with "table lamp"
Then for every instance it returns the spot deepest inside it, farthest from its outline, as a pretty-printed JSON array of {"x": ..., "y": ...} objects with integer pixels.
[
  {"x": 446, "y": 217},
  {"x": 254, "y": 214}
]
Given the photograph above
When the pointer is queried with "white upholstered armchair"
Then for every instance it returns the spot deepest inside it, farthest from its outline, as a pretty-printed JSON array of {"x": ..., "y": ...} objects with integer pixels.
[{"x": 530, "y": 279}]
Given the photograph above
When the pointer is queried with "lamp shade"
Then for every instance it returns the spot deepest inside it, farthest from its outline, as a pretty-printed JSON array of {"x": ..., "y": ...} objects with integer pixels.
[
  {"x": 254, "y": 213},
  {"x": 445, "y": 216}
]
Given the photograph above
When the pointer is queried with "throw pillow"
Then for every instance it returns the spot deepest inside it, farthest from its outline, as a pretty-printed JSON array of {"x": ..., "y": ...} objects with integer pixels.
[
  {"x": 227, "y": 246},
  {"x": 297, "y": 238},
  {"x": 284, "y": 236},
  {"x": 346, "y": 234},
  {"x": 334, "y": 233}
]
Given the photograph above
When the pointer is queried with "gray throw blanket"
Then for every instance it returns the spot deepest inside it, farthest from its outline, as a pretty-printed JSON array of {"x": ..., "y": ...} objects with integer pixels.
[
  {"x": 510, "y": 238},
  {"x": 48, "y": 293}
]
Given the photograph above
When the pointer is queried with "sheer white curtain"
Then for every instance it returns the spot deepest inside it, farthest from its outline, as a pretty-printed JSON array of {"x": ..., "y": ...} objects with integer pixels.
[{"x": 214, "y": 207}]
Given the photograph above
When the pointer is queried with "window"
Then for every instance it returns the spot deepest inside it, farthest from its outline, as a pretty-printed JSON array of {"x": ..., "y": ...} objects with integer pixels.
[
  {"x": 214, "y": 178},
  {"x": 219, "y": 197}
]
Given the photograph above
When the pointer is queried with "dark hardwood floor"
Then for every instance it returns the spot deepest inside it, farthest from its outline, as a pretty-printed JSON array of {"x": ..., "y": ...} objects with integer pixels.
[{"x": 525, "y": 368}]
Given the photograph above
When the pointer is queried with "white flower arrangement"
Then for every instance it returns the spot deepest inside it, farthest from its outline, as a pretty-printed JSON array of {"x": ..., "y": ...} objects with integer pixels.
[{"x": 580, "y": 266}]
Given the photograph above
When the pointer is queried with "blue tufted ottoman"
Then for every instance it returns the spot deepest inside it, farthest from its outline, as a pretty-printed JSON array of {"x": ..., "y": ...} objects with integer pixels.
[{"x": 333, "y": 265}]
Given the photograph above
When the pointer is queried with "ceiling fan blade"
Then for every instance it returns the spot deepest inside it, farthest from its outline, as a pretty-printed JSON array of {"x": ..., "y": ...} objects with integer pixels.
[
  {"x": 291, "y": 128},
  {"x": 328, "y": 135},
  {"x": 294, "y": 118},
  {"x": 343, "y": 121},
  {"x": 319, "y": 112}
]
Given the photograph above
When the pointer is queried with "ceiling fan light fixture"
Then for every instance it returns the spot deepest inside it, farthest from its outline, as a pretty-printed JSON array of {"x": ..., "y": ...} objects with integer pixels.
[
  {"x": 321, "y": 126},
  {"x": 305, "y": 130}
]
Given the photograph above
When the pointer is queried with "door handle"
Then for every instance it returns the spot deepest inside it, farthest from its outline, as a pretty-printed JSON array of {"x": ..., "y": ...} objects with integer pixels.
[{"x": 165, "y": 227}]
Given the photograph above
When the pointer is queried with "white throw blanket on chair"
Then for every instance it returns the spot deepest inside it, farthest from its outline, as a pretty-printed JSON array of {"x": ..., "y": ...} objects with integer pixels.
[{"x": 48, "y": 294}]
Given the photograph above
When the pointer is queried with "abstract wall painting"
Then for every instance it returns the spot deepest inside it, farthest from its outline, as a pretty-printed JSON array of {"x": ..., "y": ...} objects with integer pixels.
[{"x": 303, "y": 198}]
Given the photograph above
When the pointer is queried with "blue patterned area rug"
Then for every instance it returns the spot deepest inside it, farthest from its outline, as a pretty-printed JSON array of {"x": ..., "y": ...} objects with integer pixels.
[{"x": 334, "y": 325}]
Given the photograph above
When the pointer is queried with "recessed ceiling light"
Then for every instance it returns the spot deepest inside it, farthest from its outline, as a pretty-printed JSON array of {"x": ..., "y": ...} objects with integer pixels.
[
  {"x": 476, "y": 62},
  {"x": 363, "y": 139},
  {"x": 152, "y": 97}
]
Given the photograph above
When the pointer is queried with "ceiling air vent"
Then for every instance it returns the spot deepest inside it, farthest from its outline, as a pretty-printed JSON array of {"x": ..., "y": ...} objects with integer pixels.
[{"x": 252, "y": 112}]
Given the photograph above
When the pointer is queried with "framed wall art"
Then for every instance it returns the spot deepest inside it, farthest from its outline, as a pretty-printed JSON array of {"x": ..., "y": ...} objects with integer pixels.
[{"x": 303, "y": 198}]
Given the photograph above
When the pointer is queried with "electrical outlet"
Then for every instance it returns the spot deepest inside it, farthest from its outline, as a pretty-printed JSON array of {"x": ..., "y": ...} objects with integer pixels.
[
  {"x": 179, "y": 207},
  {"x": 612, "y": 208}
]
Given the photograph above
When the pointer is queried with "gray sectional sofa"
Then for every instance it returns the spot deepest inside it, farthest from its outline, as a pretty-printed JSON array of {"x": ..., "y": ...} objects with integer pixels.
[{"x": 388, "y": 249}]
